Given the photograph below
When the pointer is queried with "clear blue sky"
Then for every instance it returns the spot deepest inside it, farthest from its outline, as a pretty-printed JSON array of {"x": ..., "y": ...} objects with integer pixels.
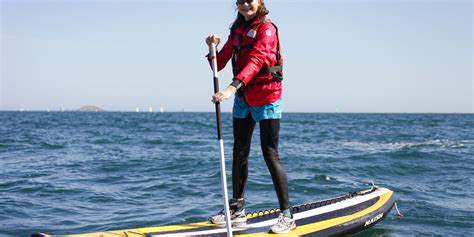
[{"x": 340, "y": 55}]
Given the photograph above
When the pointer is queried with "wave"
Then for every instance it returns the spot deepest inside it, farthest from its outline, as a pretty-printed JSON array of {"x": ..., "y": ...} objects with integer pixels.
[
  {"x": 391, "y": 146},
  {"x": 51, "y": 146}
]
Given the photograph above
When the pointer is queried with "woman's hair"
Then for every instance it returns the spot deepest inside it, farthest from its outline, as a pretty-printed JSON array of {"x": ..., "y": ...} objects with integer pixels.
[{"x": 261, "y": 13}]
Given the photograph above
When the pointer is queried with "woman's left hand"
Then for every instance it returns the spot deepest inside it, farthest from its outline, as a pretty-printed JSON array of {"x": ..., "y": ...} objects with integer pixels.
[{"x": 223, "y": 94}]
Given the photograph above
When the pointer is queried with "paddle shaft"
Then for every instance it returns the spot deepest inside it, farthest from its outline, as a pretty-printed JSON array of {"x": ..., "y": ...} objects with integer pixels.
[{"x": 221, "y": 142}]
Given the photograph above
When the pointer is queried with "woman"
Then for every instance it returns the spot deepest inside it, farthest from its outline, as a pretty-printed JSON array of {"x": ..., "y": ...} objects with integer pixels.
[{"x": 254, "y": 48}]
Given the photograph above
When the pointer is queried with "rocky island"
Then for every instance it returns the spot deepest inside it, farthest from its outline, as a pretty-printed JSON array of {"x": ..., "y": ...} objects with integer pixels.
[{"x": 90, "y": 108}]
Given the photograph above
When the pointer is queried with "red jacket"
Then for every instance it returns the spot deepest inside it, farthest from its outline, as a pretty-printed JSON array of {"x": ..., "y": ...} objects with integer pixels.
[{"x": 258, "y": 48}]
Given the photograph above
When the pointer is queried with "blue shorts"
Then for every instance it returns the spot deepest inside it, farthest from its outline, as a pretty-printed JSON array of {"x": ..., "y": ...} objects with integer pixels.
[{"x": 268, "y": 111}]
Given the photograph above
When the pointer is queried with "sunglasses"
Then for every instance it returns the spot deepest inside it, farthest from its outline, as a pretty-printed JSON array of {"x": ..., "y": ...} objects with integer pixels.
[{"x": 244, "y": 1}]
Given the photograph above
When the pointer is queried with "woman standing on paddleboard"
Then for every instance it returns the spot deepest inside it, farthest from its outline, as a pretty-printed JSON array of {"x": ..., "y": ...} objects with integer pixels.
[{"x": 254, "y": 49}]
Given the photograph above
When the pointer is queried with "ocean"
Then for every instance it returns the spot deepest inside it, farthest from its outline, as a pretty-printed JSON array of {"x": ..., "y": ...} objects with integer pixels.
[{"x": 74, "y": 172}]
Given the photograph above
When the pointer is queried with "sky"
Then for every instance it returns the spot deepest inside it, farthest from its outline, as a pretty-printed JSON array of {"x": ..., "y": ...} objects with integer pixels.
[{"x": 394, "y": 56}]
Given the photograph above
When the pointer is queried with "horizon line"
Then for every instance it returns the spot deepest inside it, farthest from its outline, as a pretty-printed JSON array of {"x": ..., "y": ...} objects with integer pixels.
[{"x": 224, "y": 112}]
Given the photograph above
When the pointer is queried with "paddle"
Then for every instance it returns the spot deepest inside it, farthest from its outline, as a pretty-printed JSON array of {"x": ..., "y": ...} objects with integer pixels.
[{"x": 221, "y": 142}]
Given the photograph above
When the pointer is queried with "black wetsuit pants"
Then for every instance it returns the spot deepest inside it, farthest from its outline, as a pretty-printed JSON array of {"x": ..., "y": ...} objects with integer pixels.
[{"x": 269, "y": 135}]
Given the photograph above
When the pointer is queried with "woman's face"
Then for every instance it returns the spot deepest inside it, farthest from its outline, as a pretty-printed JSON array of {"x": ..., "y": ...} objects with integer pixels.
[{"x": 248, "y": 8}]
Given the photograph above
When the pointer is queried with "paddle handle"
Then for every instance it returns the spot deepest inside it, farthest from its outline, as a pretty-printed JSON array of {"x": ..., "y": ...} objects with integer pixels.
[
  {"x": 221, "y": 142},
  {"x": 216, "y": 89}
]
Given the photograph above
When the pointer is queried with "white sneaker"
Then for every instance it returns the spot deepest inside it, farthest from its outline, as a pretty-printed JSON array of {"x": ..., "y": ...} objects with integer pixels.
[
  {"x": 284, "y": 225},
  {"x": 237, "y": 218}
]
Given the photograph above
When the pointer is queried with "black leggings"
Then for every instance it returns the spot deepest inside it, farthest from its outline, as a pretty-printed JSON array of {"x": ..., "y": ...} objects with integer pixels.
[{"x": 269, "y": 134}]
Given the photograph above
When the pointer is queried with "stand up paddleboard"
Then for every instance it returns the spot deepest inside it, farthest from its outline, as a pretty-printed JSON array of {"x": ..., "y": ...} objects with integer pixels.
[{"x": 341, "y": 215}]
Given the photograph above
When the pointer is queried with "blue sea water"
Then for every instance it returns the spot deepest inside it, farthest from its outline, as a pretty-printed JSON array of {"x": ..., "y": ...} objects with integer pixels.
[{"x": 73, "y": 172}]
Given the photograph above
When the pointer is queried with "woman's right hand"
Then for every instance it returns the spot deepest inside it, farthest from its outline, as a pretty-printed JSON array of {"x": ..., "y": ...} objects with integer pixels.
[{"x": 213, "y": 39}]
